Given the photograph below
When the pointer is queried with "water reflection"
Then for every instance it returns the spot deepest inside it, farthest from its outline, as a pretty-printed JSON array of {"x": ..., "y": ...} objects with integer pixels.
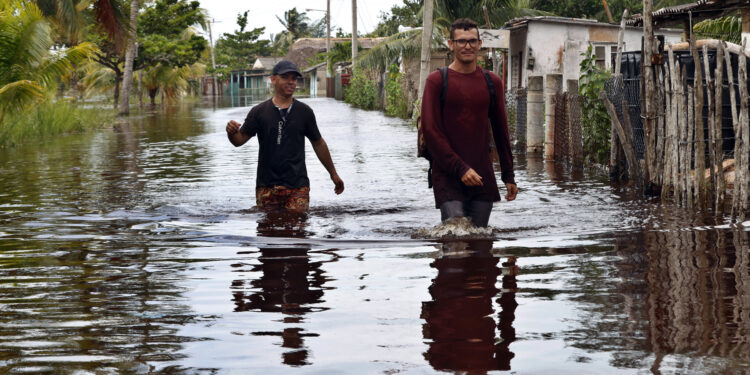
[
  {"x": 460, "y": 325},
  {"x": 699, "y": 293},
  {"x": 289, "y": 283}
]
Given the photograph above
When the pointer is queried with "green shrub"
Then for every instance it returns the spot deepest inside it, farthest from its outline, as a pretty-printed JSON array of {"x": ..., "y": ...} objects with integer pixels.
[
  {"x": 51, "y": 118},
  {"x": 595, "y": 120},
  {"x": 362, "y": 92},
  {"x": 395, "y": 101}
]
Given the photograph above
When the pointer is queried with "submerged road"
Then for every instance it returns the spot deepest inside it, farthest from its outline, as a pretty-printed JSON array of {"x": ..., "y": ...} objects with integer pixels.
[{"x": 137, "y": 249}]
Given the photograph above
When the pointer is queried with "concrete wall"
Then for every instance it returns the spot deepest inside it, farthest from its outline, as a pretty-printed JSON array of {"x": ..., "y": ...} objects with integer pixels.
[{"x": 556, "y": 47}]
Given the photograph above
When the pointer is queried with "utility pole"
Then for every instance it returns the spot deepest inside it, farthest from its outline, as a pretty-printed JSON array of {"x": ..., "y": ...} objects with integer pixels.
[
  {"x": 328, "y": 31},
  {"x": 328, "y": 35},
  {"x": 213, "y": 59},
  {"x": 426, "y": 57},
  {"x": 354, "y": 31}
]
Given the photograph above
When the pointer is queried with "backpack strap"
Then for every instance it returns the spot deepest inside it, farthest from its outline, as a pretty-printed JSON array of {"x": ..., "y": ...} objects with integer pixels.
[
  {"x": 491, "y": 87},
  {"x": 444, "y": 75}
]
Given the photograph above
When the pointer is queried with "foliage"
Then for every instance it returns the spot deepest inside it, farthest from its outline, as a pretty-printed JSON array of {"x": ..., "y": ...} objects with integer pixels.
[
  {"x": 296, "y": 25},
  {"x": 408, "y": 14},
  {"x": 727, "y": 28},
  {"x": 28, "y": 69},
  {"x": 50, "y": 119},
  {"x": 340, "y": 52},
  {"x": 499, "y": 11},
  {"x": 70, "y": 18},
  {"x": 595, "y": 120},
  {"x": 239, "y": 49},
  {"x": 395, "y": 101},
  {"x": 362, "y": 92},
  {"x": 163, "y": 37},
  {"x": 405, "y": 44}
]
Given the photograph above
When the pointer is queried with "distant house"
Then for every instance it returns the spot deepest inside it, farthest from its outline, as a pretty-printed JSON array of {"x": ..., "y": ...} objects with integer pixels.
[
  {"x": 254, "y": 81},
  {"x": 303, "y": 52},
  {"x": 553, "y": 45}
]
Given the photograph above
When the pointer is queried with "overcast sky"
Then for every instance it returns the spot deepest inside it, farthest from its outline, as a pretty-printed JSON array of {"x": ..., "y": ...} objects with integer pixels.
[{"x": 263, "y": 13}]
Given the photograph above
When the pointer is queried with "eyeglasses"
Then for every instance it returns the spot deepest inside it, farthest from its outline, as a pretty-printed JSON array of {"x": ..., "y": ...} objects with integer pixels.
[{"x": 462, "y": 42}]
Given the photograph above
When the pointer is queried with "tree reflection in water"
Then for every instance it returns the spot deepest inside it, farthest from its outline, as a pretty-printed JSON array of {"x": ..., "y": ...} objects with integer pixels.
[
  {"x": 459, "y": 324},
  {"x": 289, "y": 284}
]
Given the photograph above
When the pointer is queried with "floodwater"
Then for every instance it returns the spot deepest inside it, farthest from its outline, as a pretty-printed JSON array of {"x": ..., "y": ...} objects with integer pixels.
[{"x": 137, "y": 250}]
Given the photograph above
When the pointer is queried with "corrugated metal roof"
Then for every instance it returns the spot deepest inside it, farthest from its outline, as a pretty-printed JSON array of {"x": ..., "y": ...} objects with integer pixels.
[{"x": 698, "y": 11}]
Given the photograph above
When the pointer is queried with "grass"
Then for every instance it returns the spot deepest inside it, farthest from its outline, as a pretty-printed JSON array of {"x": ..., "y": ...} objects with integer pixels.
[{"x": 49, "y": 119}]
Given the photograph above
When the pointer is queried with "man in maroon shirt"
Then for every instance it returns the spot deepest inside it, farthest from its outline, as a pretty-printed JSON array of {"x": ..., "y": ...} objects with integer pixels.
[{"x": 456, "y": 134}]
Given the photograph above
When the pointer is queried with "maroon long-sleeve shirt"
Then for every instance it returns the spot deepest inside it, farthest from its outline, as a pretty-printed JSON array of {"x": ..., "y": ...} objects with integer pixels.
[{"x": 458, "y": 139}]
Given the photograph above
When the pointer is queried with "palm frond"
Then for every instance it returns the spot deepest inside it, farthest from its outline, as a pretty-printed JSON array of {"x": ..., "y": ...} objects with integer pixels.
[
  {"x": 727, "y": 28},
  {"x": 406, "y": 43},
  {"x": 63, "y": 63},
  {"x": 17, "y": 96}
]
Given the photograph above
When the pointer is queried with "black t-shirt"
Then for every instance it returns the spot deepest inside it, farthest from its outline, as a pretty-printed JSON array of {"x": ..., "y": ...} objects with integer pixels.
[{"x": 281, "y": 157}]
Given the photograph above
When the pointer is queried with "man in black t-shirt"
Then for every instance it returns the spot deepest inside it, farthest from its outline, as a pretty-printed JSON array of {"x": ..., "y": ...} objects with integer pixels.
[{"x": 281, "y": 124}]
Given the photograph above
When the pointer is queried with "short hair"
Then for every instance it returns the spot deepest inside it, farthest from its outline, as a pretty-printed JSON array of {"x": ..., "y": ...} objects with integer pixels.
[{"x": 464, "y": 24}]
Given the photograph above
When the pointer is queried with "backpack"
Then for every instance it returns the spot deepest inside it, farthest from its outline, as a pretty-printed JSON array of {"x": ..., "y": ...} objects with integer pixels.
[{"x": 422, "y": 150}]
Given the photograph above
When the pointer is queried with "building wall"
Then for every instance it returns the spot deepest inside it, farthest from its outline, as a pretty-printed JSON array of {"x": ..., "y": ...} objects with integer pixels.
[{"x": 556, "y": 48}]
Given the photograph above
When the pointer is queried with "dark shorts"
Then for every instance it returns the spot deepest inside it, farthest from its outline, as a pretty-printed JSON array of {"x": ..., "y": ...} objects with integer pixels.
[
  {"x": 270, "y": 198},
  {"x": 477, "y": 211}
]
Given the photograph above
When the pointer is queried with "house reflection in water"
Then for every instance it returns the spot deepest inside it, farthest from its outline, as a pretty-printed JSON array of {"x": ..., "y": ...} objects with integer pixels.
[{"x": 460, "y": 326}]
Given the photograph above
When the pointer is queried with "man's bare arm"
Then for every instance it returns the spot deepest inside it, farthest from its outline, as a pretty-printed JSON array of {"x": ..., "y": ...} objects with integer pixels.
[
  {"x": 236, "y": 137},
  {"x": 324, "y": 155}
]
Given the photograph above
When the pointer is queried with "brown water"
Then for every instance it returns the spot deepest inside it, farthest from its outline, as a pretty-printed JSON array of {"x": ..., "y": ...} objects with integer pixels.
[{"x": 136, "y": 250}]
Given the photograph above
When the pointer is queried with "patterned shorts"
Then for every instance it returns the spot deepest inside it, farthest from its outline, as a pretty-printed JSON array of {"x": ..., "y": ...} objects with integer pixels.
[{"x": 270, "y": 198}]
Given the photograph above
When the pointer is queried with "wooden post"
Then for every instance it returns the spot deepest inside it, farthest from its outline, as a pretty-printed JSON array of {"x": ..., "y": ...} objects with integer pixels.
[
  {"x": 627, "y": 143},
  {"x": 700, "y": 146},
  {"x": 719, "y": 142},
  {"x": 711, "y": 123},
  {"x": 735, "y": 121},
  {"x": 615, "y": 147},
  {"x": 671, "y": 134},
  {"x": 648, "y": 126},
  {"x": 741, "y": 162},
  {"x": 658, "y": 172},
  {"x": 689, "y": 145}
]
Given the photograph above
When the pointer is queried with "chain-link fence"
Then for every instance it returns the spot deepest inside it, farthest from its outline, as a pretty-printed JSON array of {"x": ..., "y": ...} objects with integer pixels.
[
  {"x": 568, "y": 134},
  {"x": 516, "y": 103}
]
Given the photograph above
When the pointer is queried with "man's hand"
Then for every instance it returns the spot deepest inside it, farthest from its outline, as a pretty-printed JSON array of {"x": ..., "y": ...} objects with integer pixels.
[
  {"x": 233, "y": 127},
  {"x": 338, "y": 182},
  {"x": 471, "y": 178},
  {"x": 512, "y": 192}
]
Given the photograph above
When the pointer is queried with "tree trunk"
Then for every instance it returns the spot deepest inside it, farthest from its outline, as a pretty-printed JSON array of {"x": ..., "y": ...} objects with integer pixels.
[
  {"x": 129, "y": 58},
  {"x": 152, "y": 94},
  {"x": 118, "y": 79},
  {"x": 424, "y": 67}
]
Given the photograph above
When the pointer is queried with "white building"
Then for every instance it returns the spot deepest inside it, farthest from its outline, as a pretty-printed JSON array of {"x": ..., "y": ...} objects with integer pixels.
[{"x": 553, "y": 45}]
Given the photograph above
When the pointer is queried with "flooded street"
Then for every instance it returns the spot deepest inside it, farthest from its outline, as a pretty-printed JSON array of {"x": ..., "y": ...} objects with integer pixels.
[{"x": 137, "y": 250}]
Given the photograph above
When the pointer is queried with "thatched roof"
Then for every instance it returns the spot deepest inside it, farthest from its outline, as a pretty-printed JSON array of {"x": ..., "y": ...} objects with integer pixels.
[{"x": 266, "y": 63}]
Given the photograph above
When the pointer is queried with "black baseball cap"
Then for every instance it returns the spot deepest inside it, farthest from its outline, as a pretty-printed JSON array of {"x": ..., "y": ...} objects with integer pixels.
[{"x": 285, "y": 66}]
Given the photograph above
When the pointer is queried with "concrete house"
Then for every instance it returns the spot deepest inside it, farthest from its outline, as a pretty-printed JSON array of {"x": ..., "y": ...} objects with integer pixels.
[{"x": 553, "y": 45}]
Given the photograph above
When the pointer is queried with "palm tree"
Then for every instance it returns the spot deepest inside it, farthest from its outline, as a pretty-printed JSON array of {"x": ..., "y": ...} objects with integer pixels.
[
  {"x": 70, "y": 17},
  {"x": 295, "y": 26},
  {"x": 28, "y": 69}
]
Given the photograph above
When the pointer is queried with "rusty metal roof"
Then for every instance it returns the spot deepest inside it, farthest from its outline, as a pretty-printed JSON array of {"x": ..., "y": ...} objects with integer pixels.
[{"x": 698, "y": 11}]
